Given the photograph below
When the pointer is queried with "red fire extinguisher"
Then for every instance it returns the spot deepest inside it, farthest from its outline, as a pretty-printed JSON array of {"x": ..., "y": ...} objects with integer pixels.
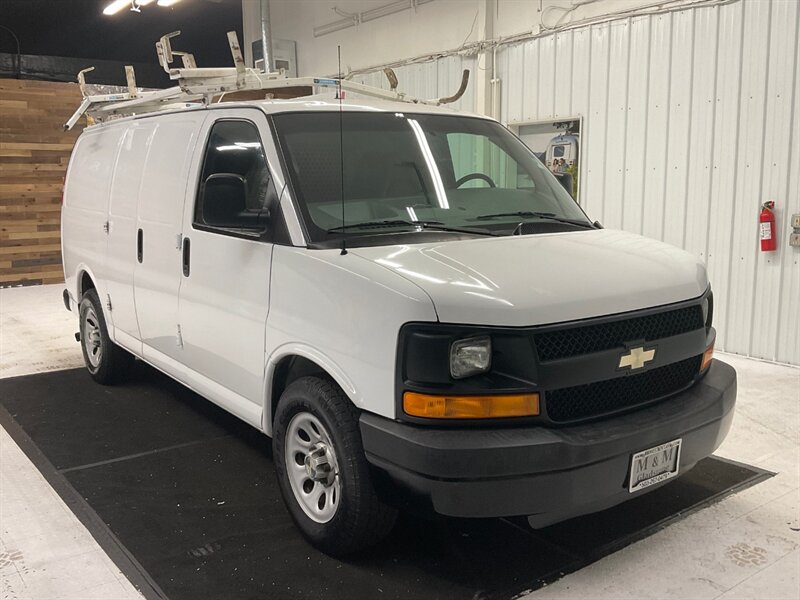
[{"x": 767, "y": 227}]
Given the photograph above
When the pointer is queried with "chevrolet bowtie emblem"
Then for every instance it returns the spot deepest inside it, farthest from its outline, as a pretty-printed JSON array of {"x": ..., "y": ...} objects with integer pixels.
[{"x": 636, "y": 358}]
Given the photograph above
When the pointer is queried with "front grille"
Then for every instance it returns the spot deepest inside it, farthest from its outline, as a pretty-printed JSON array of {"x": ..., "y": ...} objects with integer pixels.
[
  {"x": 584, "y": 339},
  {"x": 613, "y": 395}
]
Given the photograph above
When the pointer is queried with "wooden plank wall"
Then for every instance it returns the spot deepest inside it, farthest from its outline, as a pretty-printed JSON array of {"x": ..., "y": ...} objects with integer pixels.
[{"x": 34, "y": 152}]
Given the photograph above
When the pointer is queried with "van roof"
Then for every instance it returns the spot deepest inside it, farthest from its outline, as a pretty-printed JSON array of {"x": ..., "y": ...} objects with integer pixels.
[
  {"x": 351, "y": 102},
  {"x": 318, "y": 103}
]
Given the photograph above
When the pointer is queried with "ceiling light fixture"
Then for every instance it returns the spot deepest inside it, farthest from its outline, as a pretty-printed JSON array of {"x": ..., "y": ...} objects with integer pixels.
[
  {"x": 134, "y": 5},
  {"x": 116, "y": 6}
]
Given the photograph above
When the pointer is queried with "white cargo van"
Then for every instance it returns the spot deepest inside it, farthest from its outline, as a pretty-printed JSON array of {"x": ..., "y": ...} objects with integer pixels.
[{"x": 404, "y": 298}]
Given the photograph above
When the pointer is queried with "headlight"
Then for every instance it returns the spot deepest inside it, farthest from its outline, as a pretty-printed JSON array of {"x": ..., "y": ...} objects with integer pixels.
[{"x": 470, "y": 356}]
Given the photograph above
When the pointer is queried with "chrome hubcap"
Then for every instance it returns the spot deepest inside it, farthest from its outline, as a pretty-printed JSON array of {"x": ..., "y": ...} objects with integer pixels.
[
  {"x": 312, "y": 467},
  {"x": 92, "y": 340},
  {"x": 318, "y": 465}
]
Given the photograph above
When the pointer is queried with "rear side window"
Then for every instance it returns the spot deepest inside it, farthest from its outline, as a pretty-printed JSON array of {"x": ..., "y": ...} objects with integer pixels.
[{"x": 236, "y": 190}]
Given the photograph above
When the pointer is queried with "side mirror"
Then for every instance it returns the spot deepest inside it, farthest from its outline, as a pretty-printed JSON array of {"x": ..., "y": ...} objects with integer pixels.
[{"x": 225, "y": 204}]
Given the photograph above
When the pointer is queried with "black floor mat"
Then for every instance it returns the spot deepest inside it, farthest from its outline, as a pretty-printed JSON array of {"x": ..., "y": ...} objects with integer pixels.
[{"x": 183, "y": 497}]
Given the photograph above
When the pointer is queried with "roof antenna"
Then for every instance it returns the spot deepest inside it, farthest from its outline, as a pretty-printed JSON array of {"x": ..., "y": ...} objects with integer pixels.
[{"x": 341, "y": 149}]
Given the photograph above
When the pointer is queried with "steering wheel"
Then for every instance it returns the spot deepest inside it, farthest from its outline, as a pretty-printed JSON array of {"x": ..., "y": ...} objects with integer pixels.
[{"x": 471, "y": 176}]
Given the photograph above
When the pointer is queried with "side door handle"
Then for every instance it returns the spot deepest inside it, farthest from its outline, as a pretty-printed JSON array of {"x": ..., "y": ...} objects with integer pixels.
[
  {"x": 139, "y": 245},
  {"x": 186, "y": 256}
]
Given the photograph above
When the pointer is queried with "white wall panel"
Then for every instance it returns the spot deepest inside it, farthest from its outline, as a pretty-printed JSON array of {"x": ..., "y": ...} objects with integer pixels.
[
  {"x": 513, "y": 96},
  {"x": 723, "y": 182},
  {"x": 581, "y": 67},
  {"x": 595, "y": 126},
  {"x": 562, "y": 74},
  {"x": 691, "y": 121},
  {"x": 781, "y": 149},
  {"x": 704, "y": 81},
  {"x": 679, "y": 136},
  {"x": 748, "y": 190},
  {"x": 655, "y": 146},
  {"x": 531, "y": 84},
  {"x": 789, "y": 289},
  {"x": 616, "y": 121},
  {"x": 549, "y": 66},
  {"x": 636, "y": 126}
]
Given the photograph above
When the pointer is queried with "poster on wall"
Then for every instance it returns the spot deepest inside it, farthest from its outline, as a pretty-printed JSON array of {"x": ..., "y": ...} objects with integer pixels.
[{"x": 557, "y": 145}]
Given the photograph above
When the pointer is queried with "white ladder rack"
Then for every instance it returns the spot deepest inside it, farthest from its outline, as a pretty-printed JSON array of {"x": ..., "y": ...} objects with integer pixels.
[{"x": 199, "y": 86}]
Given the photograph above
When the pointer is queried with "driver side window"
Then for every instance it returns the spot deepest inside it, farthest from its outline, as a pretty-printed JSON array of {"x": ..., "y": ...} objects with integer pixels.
[
  {"x": 236, "y": 190},
  {"x": 476, "y": 160}
]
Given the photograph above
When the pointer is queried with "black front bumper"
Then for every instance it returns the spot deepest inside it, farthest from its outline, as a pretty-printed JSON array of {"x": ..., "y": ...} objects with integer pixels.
[{"x": 550, "y": 474}]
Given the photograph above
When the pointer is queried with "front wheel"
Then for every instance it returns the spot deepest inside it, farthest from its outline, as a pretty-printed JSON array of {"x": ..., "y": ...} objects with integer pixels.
[
  {"x": 322, "y": 471},
  {"x": 105, "y": 361}
]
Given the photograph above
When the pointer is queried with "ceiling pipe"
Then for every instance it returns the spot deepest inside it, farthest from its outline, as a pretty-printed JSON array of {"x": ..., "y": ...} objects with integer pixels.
[{"x": 266, "y": 38}]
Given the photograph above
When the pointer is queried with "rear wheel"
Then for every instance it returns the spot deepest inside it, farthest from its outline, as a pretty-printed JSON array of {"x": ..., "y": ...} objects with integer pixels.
[
  {"x": 322, "y": 471},
  {"x": 106, "y": 362}
]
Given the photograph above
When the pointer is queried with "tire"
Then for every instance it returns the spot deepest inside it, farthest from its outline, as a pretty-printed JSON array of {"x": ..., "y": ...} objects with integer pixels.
[
  {"x": 106, "y": 362},
  {"x": 339, "y": 512}
]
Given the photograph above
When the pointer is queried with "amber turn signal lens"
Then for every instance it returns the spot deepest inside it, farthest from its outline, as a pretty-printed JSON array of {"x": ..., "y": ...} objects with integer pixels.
[
  {"x": 707, "y": 356},
  {"x": 470, "y": 407}
]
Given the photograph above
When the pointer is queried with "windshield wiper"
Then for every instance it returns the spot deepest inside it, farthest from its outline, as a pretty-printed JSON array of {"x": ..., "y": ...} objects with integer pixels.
[
  {"x": 527, "y": 214},
  {"x": 433, "y": 225}
]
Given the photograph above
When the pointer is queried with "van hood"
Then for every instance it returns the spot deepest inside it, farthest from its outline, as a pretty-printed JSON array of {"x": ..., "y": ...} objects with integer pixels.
[{"x": 545, "y": 278}]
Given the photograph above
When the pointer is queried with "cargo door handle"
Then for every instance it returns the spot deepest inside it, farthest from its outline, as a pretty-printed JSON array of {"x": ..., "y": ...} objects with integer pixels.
[
  {"x": 139, "y": 245},
  {"x": 186, "y": 256}
]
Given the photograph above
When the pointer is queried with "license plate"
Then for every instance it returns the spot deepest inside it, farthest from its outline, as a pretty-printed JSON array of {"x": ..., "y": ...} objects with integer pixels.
[{"x": 654, "y": 465}]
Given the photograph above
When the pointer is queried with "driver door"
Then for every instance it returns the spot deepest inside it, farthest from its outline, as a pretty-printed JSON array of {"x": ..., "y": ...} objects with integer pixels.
[{"x": 227, "y": 251}]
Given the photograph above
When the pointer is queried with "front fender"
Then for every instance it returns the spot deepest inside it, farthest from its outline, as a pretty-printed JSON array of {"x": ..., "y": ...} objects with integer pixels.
[
  {"x": 344, "y": 313},
  {"x": 325, "y": 362}
]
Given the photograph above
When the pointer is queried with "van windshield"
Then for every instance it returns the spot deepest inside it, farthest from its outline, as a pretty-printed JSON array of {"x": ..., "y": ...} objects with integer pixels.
[{"x": 402, "y": 172}]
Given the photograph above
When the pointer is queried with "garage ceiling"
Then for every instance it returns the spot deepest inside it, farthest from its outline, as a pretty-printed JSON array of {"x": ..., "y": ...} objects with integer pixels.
[{"x": 79, "y": 29}]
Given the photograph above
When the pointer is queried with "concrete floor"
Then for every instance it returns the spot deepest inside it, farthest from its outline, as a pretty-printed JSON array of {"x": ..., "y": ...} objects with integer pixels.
[
  {"x": 45, "y": 552},
  {"x": 747, "y": 546}
]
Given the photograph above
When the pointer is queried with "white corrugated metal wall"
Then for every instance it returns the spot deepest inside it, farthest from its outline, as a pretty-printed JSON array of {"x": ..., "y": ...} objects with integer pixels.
[{"x": 691, "y": 120}]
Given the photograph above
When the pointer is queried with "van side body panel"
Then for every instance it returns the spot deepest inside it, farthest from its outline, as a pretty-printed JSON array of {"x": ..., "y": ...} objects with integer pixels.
[
  {"x": 164, "y": 189},
  {"x": 122, "y": 232},
  {"x": 224, "y": 299},
  {"x": 84, "y": 214}
]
